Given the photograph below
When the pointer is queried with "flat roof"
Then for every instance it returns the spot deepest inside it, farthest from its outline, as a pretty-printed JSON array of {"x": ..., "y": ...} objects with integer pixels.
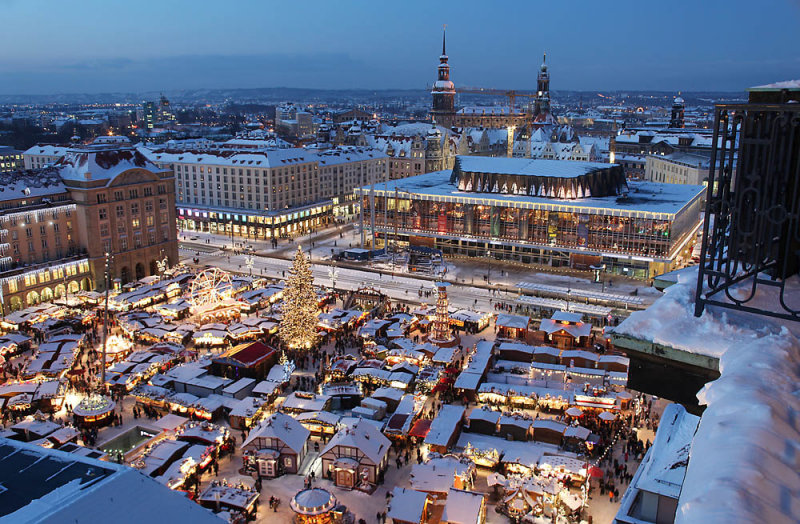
[
  {"x": 643, "y": 199},
  {"x": 529, "y": 167}
]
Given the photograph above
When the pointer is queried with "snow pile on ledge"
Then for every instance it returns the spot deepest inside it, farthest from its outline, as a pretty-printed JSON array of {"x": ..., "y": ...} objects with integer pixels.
[
  {"x": 670, "y": 321},
  {"x": 744, "y": 463}
]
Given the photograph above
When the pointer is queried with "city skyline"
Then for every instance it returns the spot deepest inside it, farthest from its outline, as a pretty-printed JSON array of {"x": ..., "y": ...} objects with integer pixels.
[{"x": 589, "y": 46}]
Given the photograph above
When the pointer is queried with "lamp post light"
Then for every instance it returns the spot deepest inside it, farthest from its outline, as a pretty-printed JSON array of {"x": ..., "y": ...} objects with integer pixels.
[
  {"x": 109, "y": 258},
  {"x": 250, "y": 261},
  {"x": 333, "y": 274},
  {"x": 489, "y": 267}
]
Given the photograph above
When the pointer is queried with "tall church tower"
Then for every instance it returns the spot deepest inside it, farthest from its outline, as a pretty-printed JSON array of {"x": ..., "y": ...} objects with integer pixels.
[
  {"x": 542, "y": 117},
  {"x": 678, "y": 107},
  {"x": 444, "y": 92},
  {"x": 542, "y": 104}
]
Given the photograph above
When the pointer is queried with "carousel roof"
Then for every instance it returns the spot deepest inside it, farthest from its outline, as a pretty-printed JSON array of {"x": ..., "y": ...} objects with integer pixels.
[{"x": 313, "y": 502}]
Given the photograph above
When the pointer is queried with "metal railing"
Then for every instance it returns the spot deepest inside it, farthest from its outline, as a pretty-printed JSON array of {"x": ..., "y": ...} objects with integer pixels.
[{"x": 751, "y": 238}]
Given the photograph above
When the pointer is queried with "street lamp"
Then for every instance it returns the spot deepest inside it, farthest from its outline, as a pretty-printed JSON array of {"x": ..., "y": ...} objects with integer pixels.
[
  {"x": 333, "y": 274},
  {"x": 488, "y": 267},
  {"x": 109, "y": 258},
  {"x": 250, "y": 261}
]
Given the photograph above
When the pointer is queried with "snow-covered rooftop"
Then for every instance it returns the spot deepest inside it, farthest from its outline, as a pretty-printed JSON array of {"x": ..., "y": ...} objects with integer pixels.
[
  {"x": 407, "y": 505},
  {"x": 47, "y": 485},
  {"x": 101, "y": 163},
  {"x": 643, "y": 197},
  {"x": 363, "y": 436},
  {"x": 528, "y": 167},
  {"x": 743, "y": 462},
  {"x": 283, "y": 427},
  {"x": 445, "y": 425}
]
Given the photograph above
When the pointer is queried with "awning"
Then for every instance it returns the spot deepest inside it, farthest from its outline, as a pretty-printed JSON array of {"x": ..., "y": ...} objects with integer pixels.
[{"x": 421, "y": 428}]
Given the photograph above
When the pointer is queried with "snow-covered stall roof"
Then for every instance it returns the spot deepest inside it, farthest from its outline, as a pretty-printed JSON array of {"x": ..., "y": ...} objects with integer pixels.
[
  {"x": 407, "y": 505},
  {"x": 463, "y": 507},
  {"x": 445, "y": 424},
  {"x": 363, "y": 436},
  {"x": 512, "y": 321},
  {"x": 282, "y": 427},
  {"x": 437, "y": 474}
]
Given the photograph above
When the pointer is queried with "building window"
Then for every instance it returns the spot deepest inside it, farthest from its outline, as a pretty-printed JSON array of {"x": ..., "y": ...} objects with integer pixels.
[
  {"x": 118, "y": 195},
  {"x": 123, "y": 244},
  {"x": 135, "y": 208},
  {"x": 133, "y": 193},
  {"x": 101, "y": 198},
  {"x": 104, "y": 229},
  {"x": 103, "y": 212},
  {"x": 149, "y": 220},
  {"x": 29, "y": 232},
  {"x": 120, "y": 211},
  {"x": 137, "y": 240},
  {"x": 135, "y": 223},
  {"x": 148, "y": 191}
]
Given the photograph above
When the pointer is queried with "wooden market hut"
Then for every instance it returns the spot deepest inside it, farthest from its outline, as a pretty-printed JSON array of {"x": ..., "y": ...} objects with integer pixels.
[
  {"x": 356, "y": 456},
  {"x": 483, "y": 421},
  {"x": 252, "y": 360},
  {"x": 547, "y": 355},
  {"x": 548, "y": 431},
  {"x": 409, "y": 506},
  {"x": 278, "y": 445},
  {"x": 566, "y": 330},
  {"x": 514, "y": 327},
  {"x": 514, "y": 427}
]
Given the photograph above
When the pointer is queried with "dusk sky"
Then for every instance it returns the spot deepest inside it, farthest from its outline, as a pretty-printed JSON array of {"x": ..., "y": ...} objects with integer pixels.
[{"x": 103, "y": 46}]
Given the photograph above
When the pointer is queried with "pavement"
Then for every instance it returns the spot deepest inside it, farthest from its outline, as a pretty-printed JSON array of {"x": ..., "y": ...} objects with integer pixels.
[{"x": 469, "y": 289}]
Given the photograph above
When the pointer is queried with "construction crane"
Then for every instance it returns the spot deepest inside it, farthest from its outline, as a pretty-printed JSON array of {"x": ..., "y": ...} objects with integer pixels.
[{"x": 511, "y": 94}]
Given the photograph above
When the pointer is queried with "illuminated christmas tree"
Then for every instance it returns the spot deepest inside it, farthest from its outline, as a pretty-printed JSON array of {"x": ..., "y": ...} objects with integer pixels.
[{"x": 298, "y": 329}]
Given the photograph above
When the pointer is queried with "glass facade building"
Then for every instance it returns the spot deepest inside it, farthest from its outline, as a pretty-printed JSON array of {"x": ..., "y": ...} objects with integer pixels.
[{"x": 637, "y": 230}]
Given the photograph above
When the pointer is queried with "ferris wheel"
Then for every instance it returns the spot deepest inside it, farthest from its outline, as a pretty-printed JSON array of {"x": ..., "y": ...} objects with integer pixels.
[{"x": 210, "y": 286}]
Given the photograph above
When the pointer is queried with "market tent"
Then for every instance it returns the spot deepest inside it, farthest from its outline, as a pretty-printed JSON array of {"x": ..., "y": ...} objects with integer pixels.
[
  {"x": 421, "y": 428},
  {"x": 574, "y": 412},
  {"x": 607, "y": 416}
]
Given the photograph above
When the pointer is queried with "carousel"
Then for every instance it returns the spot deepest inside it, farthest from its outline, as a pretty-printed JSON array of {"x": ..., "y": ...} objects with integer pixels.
[
  {"x": 314, "y": 506},
  {"x": 94, "y": 410}
]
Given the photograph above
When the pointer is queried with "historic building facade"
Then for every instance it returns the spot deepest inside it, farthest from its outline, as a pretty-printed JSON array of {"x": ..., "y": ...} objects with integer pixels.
[
  {"x": 444, "y": 112},
  {"x": 270, "y": 193},
  {"x": 58, "y": 223}
]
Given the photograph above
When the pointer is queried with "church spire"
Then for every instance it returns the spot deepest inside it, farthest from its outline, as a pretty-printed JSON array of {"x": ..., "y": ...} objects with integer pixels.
[{"x": 444, "y": 37}]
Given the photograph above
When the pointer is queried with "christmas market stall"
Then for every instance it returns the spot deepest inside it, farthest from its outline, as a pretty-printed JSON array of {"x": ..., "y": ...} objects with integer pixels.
[
  {"x": 483, "y": 420},
  {"x": 549, "y": 431},
  {"x": 439, "y": 473},
  {"x": 276, "y": 446},
  {"x": 513, "y": 327},
  {"x": 320, "y": 423},
  {"x": 409, "y": 506},
  {"x": 222, "y": 496}
]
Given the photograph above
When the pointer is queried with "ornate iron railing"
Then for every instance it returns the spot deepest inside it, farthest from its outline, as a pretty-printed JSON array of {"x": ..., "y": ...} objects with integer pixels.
[{"x": 751, "y": 232}]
